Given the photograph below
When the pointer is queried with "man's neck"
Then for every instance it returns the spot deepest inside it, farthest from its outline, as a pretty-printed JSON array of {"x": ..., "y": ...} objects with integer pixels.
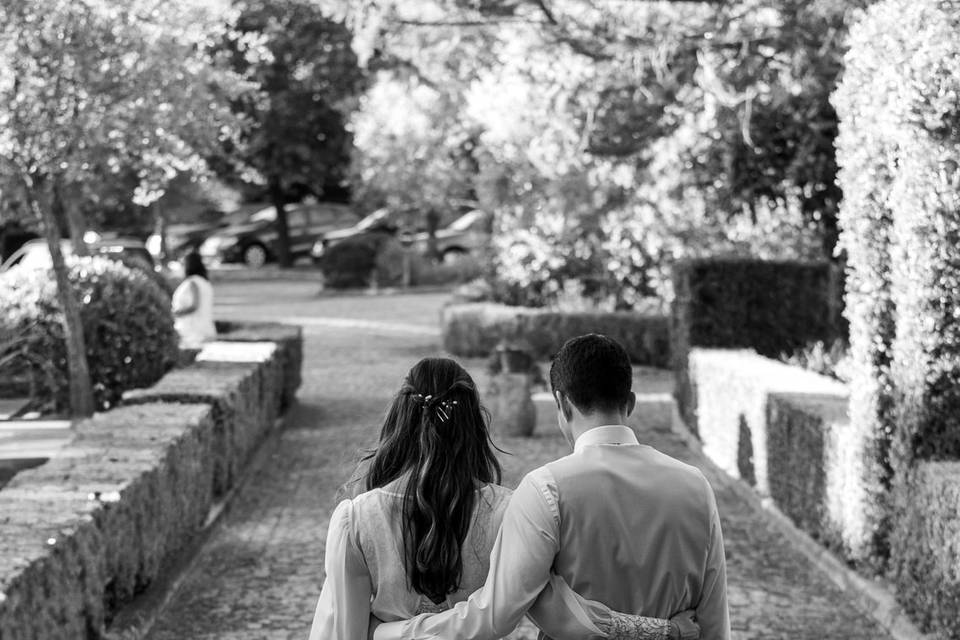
[{"x": 594, "y": 420}]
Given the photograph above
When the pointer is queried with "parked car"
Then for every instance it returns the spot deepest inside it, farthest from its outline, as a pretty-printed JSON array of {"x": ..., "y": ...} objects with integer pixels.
[
  {"x": 464, "y": 236},
  {"x": 181, "y": 239},
  {"x": 35, "y": 254},
  {"x": 382, "y": 223},
  {"x": 254, "y": 241}
]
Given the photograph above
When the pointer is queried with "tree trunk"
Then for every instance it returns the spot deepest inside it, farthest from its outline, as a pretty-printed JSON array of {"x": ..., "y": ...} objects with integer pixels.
[
  {"x": 160, "y": 226},
  {"x": 433, "y": 224},
  {"x": 283, "y": 230},
  {"x": 81, "y": 389},
  {"x": 64, "y": 211}
]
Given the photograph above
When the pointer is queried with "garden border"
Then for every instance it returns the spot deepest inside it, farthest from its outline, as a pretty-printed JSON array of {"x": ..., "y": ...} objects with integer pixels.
[
  {"x": 872, "y": 597},
  {"x": 472, "y": 329},
  {"x": 92, "y": 528}
]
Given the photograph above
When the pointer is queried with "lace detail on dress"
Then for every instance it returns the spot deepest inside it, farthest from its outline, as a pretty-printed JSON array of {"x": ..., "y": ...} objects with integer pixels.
[
  {"x": 427, "y": 606},
  {"x": 629, "y": 627}
]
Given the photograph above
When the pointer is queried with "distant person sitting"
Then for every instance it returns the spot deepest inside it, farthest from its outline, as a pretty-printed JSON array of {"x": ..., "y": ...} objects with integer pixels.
[{"x": 193, "y": 304}]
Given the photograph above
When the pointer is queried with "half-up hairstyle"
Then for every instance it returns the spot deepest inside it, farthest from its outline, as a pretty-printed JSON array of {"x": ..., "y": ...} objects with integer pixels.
[{"x": 437, "y": 435}]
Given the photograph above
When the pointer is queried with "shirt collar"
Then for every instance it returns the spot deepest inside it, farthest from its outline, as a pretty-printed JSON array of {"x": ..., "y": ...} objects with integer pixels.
[{"x": 606, "y": 434}]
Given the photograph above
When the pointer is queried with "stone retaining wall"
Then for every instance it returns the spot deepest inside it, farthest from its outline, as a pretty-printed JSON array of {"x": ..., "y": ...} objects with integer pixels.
[{"x": 83, "y": 533}]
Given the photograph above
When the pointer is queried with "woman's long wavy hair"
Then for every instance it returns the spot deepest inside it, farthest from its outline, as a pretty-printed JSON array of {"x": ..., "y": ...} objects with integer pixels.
[{"x": 437, "y": 435}]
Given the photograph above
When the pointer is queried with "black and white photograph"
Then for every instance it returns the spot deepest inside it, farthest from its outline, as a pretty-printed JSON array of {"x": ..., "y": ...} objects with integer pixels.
[{"x": 479, "y": 319}]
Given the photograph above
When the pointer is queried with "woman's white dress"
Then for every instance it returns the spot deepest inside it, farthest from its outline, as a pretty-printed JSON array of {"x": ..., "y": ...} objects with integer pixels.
[
  {"x": 196, "y": 327},
  {"x": 365, "y": 565}
]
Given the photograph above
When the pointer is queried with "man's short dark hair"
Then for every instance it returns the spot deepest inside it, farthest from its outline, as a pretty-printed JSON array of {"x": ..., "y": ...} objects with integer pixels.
[{"x": 594, "y": 372}]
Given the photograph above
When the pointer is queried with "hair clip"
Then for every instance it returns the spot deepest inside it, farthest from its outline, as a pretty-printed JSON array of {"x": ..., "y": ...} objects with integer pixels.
[
  {"x": 444, "y": 409},
  {"x": 441, "y": 408}
]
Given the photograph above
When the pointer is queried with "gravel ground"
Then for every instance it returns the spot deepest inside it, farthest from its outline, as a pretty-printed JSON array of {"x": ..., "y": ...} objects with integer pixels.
[{"x": 259, "y": 575}]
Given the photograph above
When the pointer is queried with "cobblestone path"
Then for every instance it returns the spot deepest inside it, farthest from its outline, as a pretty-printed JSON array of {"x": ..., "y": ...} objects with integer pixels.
[{"x": 259, "y": 575}]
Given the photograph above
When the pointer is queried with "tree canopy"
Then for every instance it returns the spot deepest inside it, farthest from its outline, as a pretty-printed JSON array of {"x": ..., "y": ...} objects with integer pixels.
[
  {"x": 307, "y": 72},
  {"x": 630, "y": 134},
  {"x": 95, "y": 88}
]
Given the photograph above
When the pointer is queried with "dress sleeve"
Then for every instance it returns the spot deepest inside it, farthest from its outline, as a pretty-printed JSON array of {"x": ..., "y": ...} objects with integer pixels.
[
  {"x": 563, "y": 614},
  {"x": 343, "y": 612}
]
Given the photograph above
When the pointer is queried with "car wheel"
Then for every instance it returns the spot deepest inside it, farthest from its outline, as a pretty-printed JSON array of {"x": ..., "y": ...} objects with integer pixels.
[
  {"x": 453, "y": 256},
  {"x": 255, "y": 256}
]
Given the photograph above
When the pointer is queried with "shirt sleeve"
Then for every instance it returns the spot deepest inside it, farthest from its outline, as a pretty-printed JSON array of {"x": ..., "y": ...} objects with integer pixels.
[
  {"x": 563, "y": 614},
  {"x": 343, "y": 611},
  {"x": 520, "y": 563},
  {"x": 713, "y": 615}
]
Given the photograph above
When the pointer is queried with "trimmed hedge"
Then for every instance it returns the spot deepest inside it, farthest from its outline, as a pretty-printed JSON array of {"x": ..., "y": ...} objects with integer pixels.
[
  {"x": 926, "y": 565},
  {"x": 899, "y": 149},
  {"x": 925, "y": 199},
  {"x": 244, "y": 406},
  {"x": 738, "y": 303},
  {"x": 350, "y": 263},
  {"x": 83, "y": 533},
  {"x": 732, "y": 390},
  {"x": 475, "y": 329},
  {"x": 818, "y": 480},
  {"x": 900, "y": 71},
  {"x": 289, "y": 339},
  {"x": 86, "y": 531},
  {"x": 127, "y": 324}
]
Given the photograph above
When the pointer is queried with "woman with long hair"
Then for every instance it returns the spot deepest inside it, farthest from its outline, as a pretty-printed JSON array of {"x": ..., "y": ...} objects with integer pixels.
[
  {"x": 192, "y": 304},
  {"x": 419, "y": 538}
]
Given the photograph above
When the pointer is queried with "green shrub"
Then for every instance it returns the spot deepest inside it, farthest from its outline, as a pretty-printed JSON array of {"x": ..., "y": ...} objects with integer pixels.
[
  {"x": 771, "y": 307},
  {"x": 429, "y": 272},
  {"x": 899, "y": 149},
  {"x": 389, "y": 263},
  {"x": 350, "y": 263},
  {"x": 165, "y": 282},
  {"x": 475, "y": 329},
  {"x": 127, "y": 323},
  {"x": 867, "y": 161},
  {"x": 831, "y": 360},
  {"x": 925, "y": 199},
  {"x": 926, "y": 565}
]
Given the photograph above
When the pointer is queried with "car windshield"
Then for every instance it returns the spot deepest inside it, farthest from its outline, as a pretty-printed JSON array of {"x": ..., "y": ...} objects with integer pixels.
[
  {"x": 375, "y": 218},
  {"x": 465, "y": 221}
]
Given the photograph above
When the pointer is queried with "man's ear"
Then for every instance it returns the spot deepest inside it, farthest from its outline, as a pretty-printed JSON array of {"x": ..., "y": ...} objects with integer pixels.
[
  {"x": 631, "y": 404},
  {"x": 563, "y": 405}
]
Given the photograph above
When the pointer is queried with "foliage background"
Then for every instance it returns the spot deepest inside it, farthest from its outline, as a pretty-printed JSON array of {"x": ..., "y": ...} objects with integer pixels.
[{"x": 609, "y": 140}]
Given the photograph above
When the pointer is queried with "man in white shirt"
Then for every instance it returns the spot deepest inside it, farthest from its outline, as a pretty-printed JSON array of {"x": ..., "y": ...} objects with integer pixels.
[{"x": 620, "y": 522}]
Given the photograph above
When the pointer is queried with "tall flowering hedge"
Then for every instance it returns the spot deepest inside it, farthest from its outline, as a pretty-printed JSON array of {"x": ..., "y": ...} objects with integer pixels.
[
  {"x": 866, "y": 160},
  {"x": 900, "y": 104}
]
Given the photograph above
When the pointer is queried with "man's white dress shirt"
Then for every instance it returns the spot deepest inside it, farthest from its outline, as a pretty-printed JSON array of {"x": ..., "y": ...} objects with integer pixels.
[
  {"x": 365, "y": 571},
  {"x": 620, "y": 522}
]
